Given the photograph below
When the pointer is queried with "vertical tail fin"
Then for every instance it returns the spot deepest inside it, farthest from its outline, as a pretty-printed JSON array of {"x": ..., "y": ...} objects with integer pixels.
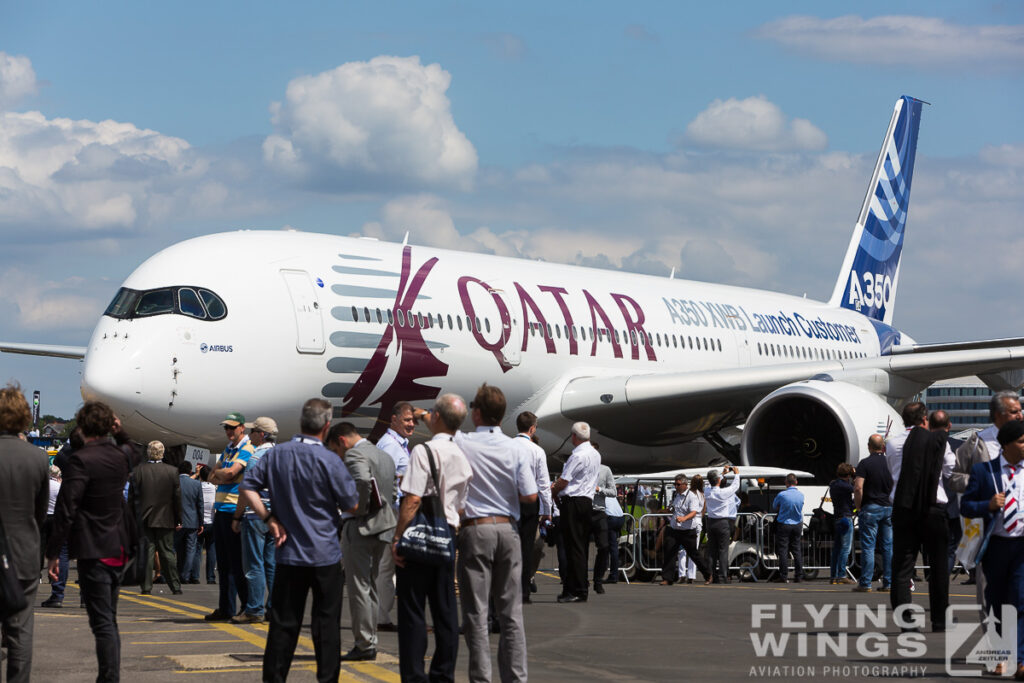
[{"x": 871, "y": 269}]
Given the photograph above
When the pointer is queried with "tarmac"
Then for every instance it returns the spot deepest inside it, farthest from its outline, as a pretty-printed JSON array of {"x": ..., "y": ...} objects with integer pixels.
[{"x": 637, "y": 631}]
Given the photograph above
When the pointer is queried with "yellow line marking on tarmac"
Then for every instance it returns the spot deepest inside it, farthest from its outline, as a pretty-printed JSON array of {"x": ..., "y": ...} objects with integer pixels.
[
  {"x": 376, "y": 671},
  {"x": 550, "y": 576},
  {"x": 173, "y": 630},
  {"x": 180, "y": 642}
]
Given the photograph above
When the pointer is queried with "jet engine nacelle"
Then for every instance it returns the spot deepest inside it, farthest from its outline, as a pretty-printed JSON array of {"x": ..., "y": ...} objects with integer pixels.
[{"x": 814, "y": 426}]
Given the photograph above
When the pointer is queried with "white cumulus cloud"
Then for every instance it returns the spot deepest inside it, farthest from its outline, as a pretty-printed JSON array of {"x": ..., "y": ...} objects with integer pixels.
[
  {"x": 922, "y": 41},
  {"x": 385, "y": 122},
  {"x": 17, "y": 79},
  {"x": 754, "y": 123}
]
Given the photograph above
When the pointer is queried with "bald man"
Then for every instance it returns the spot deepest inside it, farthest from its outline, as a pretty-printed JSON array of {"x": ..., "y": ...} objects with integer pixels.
[{"x": 871, "y": 489}]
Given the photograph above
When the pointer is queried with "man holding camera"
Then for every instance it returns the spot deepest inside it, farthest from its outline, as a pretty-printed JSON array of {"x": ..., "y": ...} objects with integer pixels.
[{"x": 719, "y": 508}]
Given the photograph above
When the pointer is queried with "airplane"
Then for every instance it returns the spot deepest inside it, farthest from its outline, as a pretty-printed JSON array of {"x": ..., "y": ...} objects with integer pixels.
[{"x": 259, "y": 321}]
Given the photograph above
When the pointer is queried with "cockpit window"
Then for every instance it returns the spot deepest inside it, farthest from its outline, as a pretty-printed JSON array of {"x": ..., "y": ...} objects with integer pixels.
[
  {"x": 190, "y": 304},
  {"x": 200, "y": 304},
  {"x": 156, "y": 302}
]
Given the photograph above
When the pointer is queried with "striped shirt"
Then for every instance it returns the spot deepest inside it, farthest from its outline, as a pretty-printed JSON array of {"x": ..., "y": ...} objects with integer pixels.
[{"x": 227, "y": 494}]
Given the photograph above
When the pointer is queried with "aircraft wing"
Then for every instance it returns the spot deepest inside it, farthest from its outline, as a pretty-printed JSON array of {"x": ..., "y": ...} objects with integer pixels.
[
  {"x": 74, "y": 352},
  {"x": 664, "y": 408}
]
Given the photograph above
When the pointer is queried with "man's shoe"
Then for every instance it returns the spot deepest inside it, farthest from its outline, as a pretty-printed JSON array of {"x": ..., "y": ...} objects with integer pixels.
[
  {"x": 212, "y": 582},
  {"x": 969, "y": 582},
  {"x": 145, "y": 592},
  {"x": 387, "y": 627},
  {"x": 246, "y": 618},
  {"x": 598, "y": 588},
  {"x": 570, "y": 598},
  {"x": 52, "y": 603},
  {"x": 884, "y": 588},
  {"x": 615, "y": 580},
  {"x": 938, "y": 628},
  {"x": 192, "y": 581},
  {"x": 797, "y": 580},
  {"x": 1019, "y": 676},
  {"x": 217, "y": 615},
  {"x": 176, "y": 591},
  {"x": 861, "y": 589},
  {"x": 357, "y": 655},
  {"x": 533, "y": 586},
  {"x": 527, "y": 600},
  {"x": 846, "y": 580}
]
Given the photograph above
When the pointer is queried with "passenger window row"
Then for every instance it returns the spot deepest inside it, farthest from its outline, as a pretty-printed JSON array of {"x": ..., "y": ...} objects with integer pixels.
[{"x": 798, "y": 352}]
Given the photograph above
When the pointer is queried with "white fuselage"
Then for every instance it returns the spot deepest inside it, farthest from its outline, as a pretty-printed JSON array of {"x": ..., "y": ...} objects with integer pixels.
[{"x": 311, "y": 315}]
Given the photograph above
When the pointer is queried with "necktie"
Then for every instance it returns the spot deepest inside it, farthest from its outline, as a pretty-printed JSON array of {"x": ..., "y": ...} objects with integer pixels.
[{"x": 1011, "y": 509}]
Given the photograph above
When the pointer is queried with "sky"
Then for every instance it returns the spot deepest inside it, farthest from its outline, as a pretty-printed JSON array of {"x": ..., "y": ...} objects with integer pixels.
[{"x": 731, "y": 141}]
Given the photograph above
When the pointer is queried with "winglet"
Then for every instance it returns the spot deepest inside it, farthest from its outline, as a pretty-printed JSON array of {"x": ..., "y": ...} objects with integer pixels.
[{"x": 870, "y": 273}]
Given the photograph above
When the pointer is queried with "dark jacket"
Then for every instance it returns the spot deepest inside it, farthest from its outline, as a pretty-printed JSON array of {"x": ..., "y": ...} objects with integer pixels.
[
  {"x": 920, "y": 471},
  {"x": 90, "y": 512},
  {"x": 24, "y": 495},
  {"x": 155, "y": 495},
  {"x": 191, "y": 502}
]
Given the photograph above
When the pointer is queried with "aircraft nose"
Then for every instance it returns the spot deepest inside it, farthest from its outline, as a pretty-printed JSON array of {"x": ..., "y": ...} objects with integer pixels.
[{"x": 112, "y": 380}]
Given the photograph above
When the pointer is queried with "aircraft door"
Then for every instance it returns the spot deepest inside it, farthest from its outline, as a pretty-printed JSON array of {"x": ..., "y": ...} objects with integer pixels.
[
  {"x": 309, "y": 325},
  {"x": 511, "y": 331}
]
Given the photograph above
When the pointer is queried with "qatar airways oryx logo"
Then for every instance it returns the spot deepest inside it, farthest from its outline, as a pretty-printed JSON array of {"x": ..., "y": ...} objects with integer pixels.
[{"x": 834, "y": 641}]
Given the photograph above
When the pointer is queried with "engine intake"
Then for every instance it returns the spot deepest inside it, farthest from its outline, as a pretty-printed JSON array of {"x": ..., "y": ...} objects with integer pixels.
[{"x": 814, "y": 426}]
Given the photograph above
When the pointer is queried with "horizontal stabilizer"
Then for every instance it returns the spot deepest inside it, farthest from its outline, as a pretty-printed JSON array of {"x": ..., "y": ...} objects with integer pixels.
[{"x": 73, "y": 352}]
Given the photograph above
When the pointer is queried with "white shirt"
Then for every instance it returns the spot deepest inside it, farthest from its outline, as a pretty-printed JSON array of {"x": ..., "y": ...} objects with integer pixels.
[
  {"x": 682, "y": 505},
  {"x": 988, "y": 435},
  {"x": 209, "y": 497},
  {"x": 580, "y": 470},
  {"x": 894, "y": 456},
  {"x": 537, "y": 461},
  {"x": 500, "y": 474},
  {"x": 719, "y": 499},
  {"x": 453, "y": 475},
  {"x": 54, "y": 490},
  {"x": 397, "y": 446},
  {"x": 1016, "y": 488}
]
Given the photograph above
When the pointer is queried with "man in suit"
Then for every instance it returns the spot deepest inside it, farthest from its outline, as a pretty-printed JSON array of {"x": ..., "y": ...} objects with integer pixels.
[
  {"x": 155, "y": 495},
  {"x": 91, "y": 516},
  {"x": 993, "y": 492},
  {"x": 920, "y": 461},
  {"x": 24, "y": 497},
  {"x": 365, "y": 535},
  {"x": 186, "y": 536}
]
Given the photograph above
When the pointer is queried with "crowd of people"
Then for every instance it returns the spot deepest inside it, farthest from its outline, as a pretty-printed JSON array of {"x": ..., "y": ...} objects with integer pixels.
[{"x": 401, "y": 528}]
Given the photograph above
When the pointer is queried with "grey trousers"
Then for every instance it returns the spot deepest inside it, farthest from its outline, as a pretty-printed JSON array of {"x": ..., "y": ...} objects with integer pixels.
[
  {"x": 361, "y": 558},
  {"x": 160, "y": 541},
  {"x": 490, "y": 565},
  {"x": 385, "y": 588},
  {"x": 18, "y": 631}
]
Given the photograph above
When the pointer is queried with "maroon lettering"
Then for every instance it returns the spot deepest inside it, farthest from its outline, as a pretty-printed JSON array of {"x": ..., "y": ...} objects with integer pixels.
[
  {"x": 527, "y": 300},
  {"x": 634, "y": 323},
  {"x": 496, "y": 346},
  {"x": 595, "y": 311},
  {"x": 558, "y": 293}
]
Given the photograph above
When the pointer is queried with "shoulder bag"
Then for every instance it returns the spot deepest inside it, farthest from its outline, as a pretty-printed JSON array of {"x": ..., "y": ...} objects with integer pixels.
[{"x": 428, "y": 538}]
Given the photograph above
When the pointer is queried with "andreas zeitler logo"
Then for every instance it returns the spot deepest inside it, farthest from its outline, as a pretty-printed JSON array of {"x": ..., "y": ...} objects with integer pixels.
[{"x": 836, "y": 640}]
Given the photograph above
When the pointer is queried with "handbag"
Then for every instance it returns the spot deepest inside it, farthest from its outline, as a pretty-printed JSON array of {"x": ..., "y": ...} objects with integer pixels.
[
  {"x": 428, "y": 538},
  {"x": 821, "y": 520},
  {"x": 12, "y": 594}
]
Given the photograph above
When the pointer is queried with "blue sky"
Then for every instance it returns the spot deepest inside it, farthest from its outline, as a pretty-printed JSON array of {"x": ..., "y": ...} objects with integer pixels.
[{"x": 732, "y": 142}]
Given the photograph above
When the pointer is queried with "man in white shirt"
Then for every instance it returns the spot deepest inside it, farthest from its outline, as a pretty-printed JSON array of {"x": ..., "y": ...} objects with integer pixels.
[
  {"x": 394, "y": 442},
  {"x": 683, "y": 523},
  {"x": 532, "y": 514},
  {"x": 490, "y": 555},
  {"x": 719, "y": 501},
  {"x": 419, "y": 583},
  {"x": 576, "y": 487},
  {"x": 920, "y": 460}
]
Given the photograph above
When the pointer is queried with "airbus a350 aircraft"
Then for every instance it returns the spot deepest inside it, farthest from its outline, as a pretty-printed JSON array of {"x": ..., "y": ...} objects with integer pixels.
[{"x": 652, "y": 363}]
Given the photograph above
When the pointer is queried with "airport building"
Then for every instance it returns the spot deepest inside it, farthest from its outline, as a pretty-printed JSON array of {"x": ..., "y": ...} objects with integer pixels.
[{"x": 965, "y": 400}]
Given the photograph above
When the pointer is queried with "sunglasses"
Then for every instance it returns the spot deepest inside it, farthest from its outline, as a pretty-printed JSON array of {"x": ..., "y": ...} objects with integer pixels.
[{"x": 229, "y": 428}]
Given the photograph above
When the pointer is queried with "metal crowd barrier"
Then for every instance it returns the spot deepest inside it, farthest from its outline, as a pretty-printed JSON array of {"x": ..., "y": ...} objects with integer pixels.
[{"x": 627, "y": 546}]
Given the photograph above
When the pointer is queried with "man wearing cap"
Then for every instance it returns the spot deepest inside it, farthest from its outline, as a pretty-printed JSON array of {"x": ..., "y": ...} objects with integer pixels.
[
  {"x": 576, "y": 485},
  {"x": 992, "y": 493},
  {"x": 155, "y": 495},
  {"x": 257, "y": 543},
  {"x": 366, "y": 535},
  {"x": 394, "y": 442},
  {"x": 226, "y": 476}
]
